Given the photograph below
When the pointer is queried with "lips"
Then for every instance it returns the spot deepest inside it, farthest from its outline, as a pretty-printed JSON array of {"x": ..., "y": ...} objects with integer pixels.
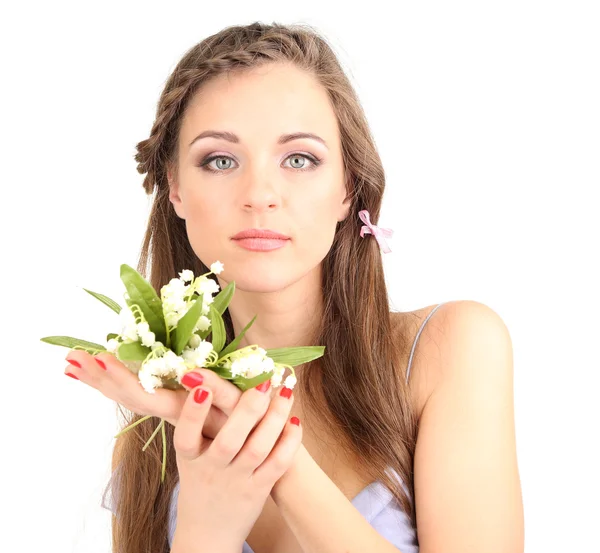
[{"x": 260, "y": 233}]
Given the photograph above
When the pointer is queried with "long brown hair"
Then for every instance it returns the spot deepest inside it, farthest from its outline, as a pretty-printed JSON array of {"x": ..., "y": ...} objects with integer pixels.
[{"x": 357, "y": 388}]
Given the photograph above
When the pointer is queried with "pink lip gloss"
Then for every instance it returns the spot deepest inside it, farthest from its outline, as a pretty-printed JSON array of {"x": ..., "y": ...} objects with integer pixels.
[{"x": 261, "y": 244}]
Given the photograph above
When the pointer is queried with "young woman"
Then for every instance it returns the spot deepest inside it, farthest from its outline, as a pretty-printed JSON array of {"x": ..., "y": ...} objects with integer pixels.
[{"x": 401, "y": 437}]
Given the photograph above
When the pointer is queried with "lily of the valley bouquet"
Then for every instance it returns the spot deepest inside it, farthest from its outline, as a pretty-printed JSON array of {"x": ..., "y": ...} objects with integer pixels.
[{"x": 163, "y": 338}]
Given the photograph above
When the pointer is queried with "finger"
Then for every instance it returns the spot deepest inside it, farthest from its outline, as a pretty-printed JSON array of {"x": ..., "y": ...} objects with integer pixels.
[
  {"x": 250, "y": 409},
  {"x": 264, "y": 437},
  {"x": 118, "y": 383},
  {"x": 125, "y": 387},
  {"x": 85, "y": 368},
  {"x": 282, "y": 455},
  {"x": 225, "y": 395},
  {"x": 187, "y": 438}
]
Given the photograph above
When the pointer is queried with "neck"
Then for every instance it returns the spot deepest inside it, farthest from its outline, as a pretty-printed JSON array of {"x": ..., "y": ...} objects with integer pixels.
[{"x": 284, "y": 318}]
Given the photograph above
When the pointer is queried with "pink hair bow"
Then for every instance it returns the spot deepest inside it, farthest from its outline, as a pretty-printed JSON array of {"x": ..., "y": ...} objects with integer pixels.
[{"x": 376, "y": 231}]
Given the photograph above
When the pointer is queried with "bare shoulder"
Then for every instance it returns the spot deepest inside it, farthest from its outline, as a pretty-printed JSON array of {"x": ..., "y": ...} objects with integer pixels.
[
  {"x": 426, "y": 356},
  {"x": 463, "y": 365},
  {"x": 443, "y": 328}
]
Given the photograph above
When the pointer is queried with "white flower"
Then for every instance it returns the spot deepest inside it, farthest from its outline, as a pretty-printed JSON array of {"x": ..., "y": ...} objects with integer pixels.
[
  {"x": 175, "y": 285},
  {"x": 156, "y": 366},
  {"x": 186, "y": 275},
  {"x": 156, "y": 345},
  {"x": 129, "y": 328},
  {"x": 194, "y": 341},
  {"x": 149, "y": 381},
  {"x": 195, "y": 357},
  {"x": 148, "y": 338},
  {"x": 290, "y": 381},
  {"x": 250, "y": 363},
  {"x": 202, "y": 324},
  {"x": 205, "y": 347},
  {"x": 173, "y": 361},
  {"x": 279, "y": 369},
  {"x": 276, "y": 380},
  {"x": 217, "y": 267},
  {"x": 207, "y": 286},
  {"x": 112, "y": 345},
  {"x": 171, "y": 318}
]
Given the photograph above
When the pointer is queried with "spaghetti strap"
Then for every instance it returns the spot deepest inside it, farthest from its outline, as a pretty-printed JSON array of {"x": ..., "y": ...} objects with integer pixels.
[{"x": 412, "y": 351}]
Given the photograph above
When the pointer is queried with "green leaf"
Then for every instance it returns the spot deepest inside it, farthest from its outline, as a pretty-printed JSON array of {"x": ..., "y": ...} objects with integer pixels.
[
  {"x": 247, "y": 383},
  {"x": 185, "y": 327},
  {"x": 296, "y": 356},
  {"x": 221, "y": 371},
  {"x": 68, "y": 342},
  {"x": 223, "y": 298},
  {"x": 111, "y": 336},
  {"x": 236, "y": 341},
  {"x": 107, "y": 301},
  {"x": 135, "y": 351},
  {"x": 145, "y": 297},
  {"x": 218, "y": 329}
]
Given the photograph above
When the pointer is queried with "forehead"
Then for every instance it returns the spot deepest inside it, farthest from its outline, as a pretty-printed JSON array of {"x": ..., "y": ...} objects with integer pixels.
[{"x": 262, "y": 102}]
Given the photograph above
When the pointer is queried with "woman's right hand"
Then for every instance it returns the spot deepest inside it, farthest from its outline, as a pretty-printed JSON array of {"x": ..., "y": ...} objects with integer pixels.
[
  {"x": 113, "y": 379},
  {"x": 225, "y": 482}
]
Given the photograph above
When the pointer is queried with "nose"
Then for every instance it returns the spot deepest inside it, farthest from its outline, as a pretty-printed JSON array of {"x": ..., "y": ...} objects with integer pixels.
[{"x": 260, "y": 196}]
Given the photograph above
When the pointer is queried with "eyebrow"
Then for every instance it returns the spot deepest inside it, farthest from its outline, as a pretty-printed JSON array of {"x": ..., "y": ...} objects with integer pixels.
[{"x": 283, "y": 139}]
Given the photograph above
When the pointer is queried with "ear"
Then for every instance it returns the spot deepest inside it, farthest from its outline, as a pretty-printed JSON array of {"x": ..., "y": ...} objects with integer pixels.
[
  {"x": 174, "y": 194},
  {"x": 346, "y": 203},
  {"x": 345, "y": 209}
]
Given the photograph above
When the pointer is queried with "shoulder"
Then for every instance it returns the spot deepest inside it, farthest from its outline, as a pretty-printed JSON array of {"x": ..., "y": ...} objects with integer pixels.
[
  {"x": 466, "y": 438},
  {"x": 448, "y": 332}
]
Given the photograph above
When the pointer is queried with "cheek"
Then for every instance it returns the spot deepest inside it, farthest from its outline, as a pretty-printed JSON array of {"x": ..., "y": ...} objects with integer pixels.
[
  {"x": 316, "y": 224},
  {"x": 204, "y": 208},
  {"x": 207, "y": 226}
]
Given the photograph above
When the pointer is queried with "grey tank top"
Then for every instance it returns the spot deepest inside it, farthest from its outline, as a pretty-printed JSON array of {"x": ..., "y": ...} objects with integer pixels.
[{"x": 375, "y": 502}]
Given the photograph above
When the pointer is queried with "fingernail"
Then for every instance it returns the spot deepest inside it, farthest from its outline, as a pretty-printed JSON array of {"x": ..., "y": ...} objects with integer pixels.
[
  {"x": 73, "y": 362},
  {"x": 200, "y": 395},
  {"x": 192, "y": 379},
  {"x": 286, "y": 392},
  {"x": 101, "y": 363},
  {"x": 295, "y": 420},
  {"x": 72, "y": 376},
  {"x": 264, "y": 386}
]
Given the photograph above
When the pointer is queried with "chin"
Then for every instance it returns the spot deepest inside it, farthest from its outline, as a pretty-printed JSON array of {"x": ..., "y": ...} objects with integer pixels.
[{"x": 258, "y": 281}]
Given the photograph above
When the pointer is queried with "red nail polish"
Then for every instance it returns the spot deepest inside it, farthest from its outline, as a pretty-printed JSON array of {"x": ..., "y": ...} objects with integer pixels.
[
  {"x": 286, "y": 392},
  {"x": 101, "y": 363},
  {"x": 295, "y": 420},
  {"x": 72, "y": 376},
  {"x": 264, "y": 386},
  {"x": 76, "y": 363},
  {"x": 192, "y": 379},
  {"x": 200, "y": 395}
]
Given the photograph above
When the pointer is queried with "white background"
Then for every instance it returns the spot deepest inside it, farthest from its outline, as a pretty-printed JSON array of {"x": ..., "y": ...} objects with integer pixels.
[{"x": 487, "y": 119}]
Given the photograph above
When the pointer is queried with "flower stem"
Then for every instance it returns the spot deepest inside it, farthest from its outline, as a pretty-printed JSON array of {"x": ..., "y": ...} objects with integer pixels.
[
  {"x": 162, "y": 421},
  {"x": 132, "y": 425},
  {"x": 164, "y": 459}
]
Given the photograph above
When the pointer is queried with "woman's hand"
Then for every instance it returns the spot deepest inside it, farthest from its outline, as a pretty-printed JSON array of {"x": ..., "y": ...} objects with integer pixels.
[
  {"x": 225, "y": 482},
  {"x": 118, "y": 383}
]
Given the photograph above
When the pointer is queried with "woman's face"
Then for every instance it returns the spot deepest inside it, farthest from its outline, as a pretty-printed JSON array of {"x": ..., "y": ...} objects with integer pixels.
[{"x": 257, "y": 182}]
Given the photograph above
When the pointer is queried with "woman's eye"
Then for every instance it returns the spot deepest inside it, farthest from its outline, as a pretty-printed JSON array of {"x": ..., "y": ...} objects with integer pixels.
[
  {"x": 303, "y": 158},
  {"x": 298, "y": 161}
]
